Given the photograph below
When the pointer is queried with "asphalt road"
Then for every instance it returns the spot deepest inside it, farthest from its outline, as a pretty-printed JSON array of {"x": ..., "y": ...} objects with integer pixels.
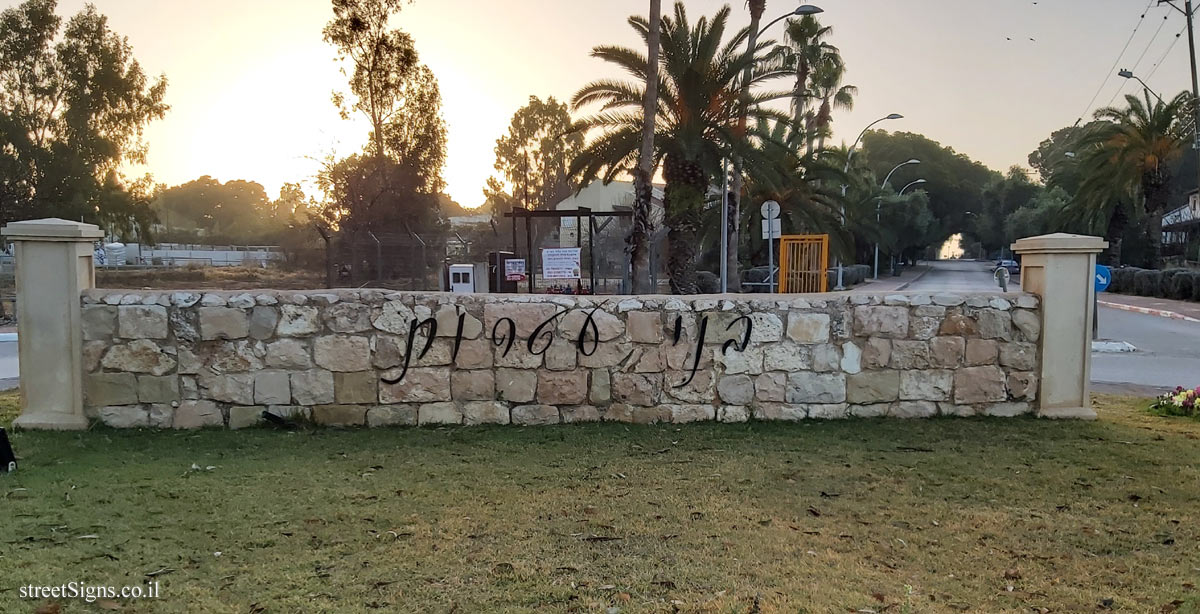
[{"x": 1168, "y": 351}]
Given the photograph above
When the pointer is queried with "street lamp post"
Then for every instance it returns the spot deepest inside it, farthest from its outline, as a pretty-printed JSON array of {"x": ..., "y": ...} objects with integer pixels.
[
  {"x": 1128, "y": 74},
  {"x": 846, "y": 169},
  {"x": 879, "y": 204},
  {"x": 892, "y": 257},
  {"x": 1188, "y": 13}
]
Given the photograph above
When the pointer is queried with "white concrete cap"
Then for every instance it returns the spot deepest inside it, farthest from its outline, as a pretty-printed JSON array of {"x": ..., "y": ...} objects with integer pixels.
[
  {"x": 1060, "y": 243},
  {"x": 51, "y": 229}
]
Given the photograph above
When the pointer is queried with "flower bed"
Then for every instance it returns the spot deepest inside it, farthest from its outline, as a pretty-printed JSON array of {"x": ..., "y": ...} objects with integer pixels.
[{"x": 1180, "y": 402}]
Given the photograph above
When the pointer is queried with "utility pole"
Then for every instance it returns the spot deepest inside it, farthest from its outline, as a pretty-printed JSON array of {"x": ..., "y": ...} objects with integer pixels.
[{"x": 1188, "y": 13}]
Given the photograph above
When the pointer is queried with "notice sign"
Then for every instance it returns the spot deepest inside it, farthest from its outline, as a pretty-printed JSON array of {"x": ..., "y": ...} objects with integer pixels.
[
  {"x": 561, "y": 263},
  {"x": 514, "y": 270}
]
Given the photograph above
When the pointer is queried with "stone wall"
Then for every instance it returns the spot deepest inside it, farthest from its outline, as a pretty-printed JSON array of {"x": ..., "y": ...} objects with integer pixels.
[{"x": 380, "y": 358}]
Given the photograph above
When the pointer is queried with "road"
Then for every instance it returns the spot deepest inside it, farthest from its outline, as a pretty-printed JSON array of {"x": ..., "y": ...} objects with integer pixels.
[
  {"x": 8, "y": 365},
  {"x": 1168, "y": 351}
]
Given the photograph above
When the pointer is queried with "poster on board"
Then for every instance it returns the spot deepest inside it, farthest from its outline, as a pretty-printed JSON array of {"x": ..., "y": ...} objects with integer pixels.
[
  {"x": 514, "y": 269},
  {"x": 561, "y": 263}
]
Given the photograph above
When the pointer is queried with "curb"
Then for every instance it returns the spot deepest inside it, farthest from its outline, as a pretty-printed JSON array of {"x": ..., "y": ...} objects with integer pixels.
[
  {"x": 1162, "y": 313},
  {"x": 914, "y": 280},
  {"x": 8, "y": 337}
]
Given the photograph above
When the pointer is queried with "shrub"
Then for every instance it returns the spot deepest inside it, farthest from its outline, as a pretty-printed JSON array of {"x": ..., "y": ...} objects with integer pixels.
[
  {"x": 1123, "y": 280},
  {"x": 1183, "y": 285},
  {"x": 1167, "y": 287},
  {"x": 708, "y": 282},
  {"x": 1147, "y": 283}
]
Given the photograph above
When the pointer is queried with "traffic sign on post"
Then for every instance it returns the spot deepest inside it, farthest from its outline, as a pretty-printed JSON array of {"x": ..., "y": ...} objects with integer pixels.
[{"x": 1103, "y": 278}]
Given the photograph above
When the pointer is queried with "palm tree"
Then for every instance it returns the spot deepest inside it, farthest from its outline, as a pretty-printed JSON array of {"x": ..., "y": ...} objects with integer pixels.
[
  {"x": 1128, "y": 157},
  {"x": 756, "y": 8},
  {"x": 806, "y": 40},
  {"x": 828, "y": 87},
  {"x": 643, "y": 187},
  {"x": 699, "y": 102}
]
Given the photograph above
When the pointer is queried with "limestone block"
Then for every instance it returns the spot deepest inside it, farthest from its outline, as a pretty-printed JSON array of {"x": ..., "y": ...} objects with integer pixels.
[
  {"x": 787, "y": 356},
  {"x": 733, "y": 414},
  {"x": 298, "y": 321},
  {"x": 561, "y": 356},
  {"x": 223, "y": 323},
  {"x": 686, "y": 414},
  {"x": 535, "y": 415},
  {"x": 701, "y": 389},
  {"x": 124, "y": 416},
  {"x": 981, "y": 352},
  {"x": 873, "y": 410},
  {"x": 749, "y": 361},
  {"x": 394, "y": 317},
  {"x": 736, "y": 389},
  {"x": 645, "y": 326},
  {"x": 263, "y": 321},
  {"x": 768, "y": 328},
  {"x": 185, "y": 323},
  {"x": 392, "y": 415},
  {"x": 474, "y": 354},
  {"x": 807, "y": 387},
  {"x": 958, "y": 411},
  {"x": 342, "y": 353},
  {"x": 1023, "y": 386},
  {"x": 579, "y": 413},
  {"x": 914, "y": 409},
  {"x": 189, "y": 388},
  {"x": 871, "y": 387},
  {"x": 237, "y": 356},
  {"x": 339, "y": 415},
  {"x": 110, "y": 389},
  {"x": 959, "y": 325},
  {"x": 946, "y": 352},
  {"x": 826, "y": 357},
  {"x": 162, "y": 415},
  {"x": 229, "y": 388},
  {"x": 475, "y": 385},
  {"x": 92, "y": 352},
  {"x": 197, "y": 414},
  {"x": 828, "y": 411},
  {"x": 241, "y": 416},
  {"x": 241, "y": 301},
  {"x": 152, "y": 389},
  {"x": 348, "y": 318},
  {"x": 1029, "y": 323},
  {"x": 184, "y": 299},
  {"x": 851, "y": 358},
  {"x": 908, "y": 354},
  {"x": 934, "y": 385},
  {"x": 979, "y": 385},
  {"x": 420, "y": 385},
  {"x": 485, "y": 412},
  {"x": 439, "y": 413},
  {"x": 635, "y": 414},
  {"x": 636, "y": 388},
  {"x": 994, "y": 324},
  {"x": 359, "y": 387},
  {"x": 562, "y": 387},
  {"x": 447, "y": 319},
  {"x": 771, "y": 387},
  {"x": 807, "y": 327},
  {"x": 781, "y": 411},
  {"x": 139, "y": 356},
  {"x": 606, "y": 355},
  {"x": 312, "y": 387},
  {"x": 877, "y": 353},
  {"x": 1007, "y": 410},
  {"x": 881, "y": 321},
  {"x": 924, "y": 327},
  {"x": 288, "y": 354},
  {"x": 99, "y": 322},
  {"x": 648, "y": 360},
  {"x": 608, "y": 326},
  {"x": 1020, "y": 356},
  {"x": 142, "y": 322},
  {"x": 516, "y": 385},
  {"x": 272, "y": 388},
  {"x": 526, "y": 316},
  {"x": 600, "y": 390}
]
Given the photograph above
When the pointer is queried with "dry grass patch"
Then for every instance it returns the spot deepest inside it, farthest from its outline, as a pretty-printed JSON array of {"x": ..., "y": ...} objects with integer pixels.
[
  {"x": 984, "y": 516},
  {"x": 204, "y": 278}
]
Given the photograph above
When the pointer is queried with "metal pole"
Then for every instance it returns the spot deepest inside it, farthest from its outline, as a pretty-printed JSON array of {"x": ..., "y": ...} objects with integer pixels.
[
  {"x": 878, "y": 204},
  {"x": 529, "y": 251},
  {"x": 724, "y": 226},
  {"x": 771, "y": 254}
]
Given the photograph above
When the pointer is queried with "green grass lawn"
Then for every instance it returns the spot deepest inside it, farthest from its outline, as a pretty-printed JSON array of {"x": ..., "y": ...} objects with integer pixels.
[{"x": 956, "y": 515}]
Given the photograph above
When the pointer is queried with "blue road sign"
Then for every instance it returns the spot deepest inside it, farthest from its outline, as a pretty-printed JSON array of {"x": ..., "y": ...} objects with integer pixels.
[{"x": 1103, "y": 277}]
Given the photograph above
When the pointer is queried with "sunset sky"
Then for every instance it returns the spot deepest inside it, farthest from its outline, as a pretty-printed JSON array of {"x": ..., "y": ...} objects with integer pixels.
[{"x": 250, "y": 80}]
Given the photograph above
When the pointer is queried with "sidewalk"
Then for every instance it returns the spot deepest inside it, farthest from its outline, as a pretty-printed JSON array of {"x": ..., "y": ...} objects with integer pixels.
[
  {"x": 892, "y": 284},
  {"x": 1165, "y": 307}
]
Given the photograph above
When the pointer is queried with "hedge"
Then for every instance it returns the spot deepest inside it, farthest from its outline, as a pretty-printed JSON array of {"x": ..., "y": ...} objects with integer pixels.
[{"x": 1178, "y": 284}]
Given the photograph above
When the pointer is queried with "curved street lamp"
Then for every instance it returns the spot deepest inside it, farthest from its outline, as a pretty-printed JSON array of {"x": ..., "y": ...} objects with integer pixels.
[
  {"x": 846, "y": 169},
  {"x": 1128, "y": 74},
  {"x": 905, "y": 188},
  {"x": 802, "y": 10},
  {"x": 879, "y": 204}
]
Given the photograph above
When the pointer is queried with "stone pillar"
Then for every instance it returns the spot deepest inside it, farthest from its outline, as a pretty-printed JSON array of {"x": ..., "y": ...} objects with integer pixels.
[
  {"x": 54, "y": 264},
  {"x": 1060, "y": 268}
]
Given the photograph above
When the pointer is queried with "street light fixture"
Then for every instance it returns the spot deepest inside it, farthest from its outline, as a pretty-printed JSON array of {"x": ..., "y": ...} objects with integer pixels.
[
  {"x": 879, "y": 205},
  {"x": 905, "y": 188},
  {"x": 849, "y": 156},
  {"x": 801, "y": 11},
  {"x": 1128, "y": 74}
]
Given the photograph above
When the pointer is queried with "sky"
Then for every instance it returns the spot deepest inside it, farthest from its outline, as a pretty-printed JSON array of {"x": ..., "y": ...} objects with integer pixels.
[{"x": 250, "y": 81}]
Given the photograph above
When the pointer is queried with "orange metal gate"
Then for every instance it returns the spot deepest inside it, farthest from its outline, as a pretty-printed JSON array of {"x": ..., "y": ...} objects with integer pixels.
[{"x": 803, "y": 260}]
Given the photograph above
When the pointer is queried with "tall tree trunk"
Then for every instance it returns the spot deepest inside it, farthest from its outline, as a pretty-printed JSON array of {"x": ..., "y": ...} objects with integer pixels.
[
  {"x": 737, "y": 186},
  {"x": 684, "y": 200},
  {"x": 643, "y": 180}
]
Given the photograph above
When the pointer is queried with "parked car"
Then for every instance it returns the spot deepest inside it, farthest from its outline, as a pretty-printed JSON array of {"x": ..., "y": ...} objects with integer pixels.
[{"x": 1013, "y": 267}]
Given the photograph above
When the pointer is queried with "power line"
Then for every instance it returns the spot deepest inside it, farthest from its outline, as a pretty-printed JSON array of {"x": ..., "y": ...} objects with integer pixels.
[
  {"x": 1109, "y": 74},
  {"x": 1166, "y": 53},
  {"x": 1139, "y": 60}
]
